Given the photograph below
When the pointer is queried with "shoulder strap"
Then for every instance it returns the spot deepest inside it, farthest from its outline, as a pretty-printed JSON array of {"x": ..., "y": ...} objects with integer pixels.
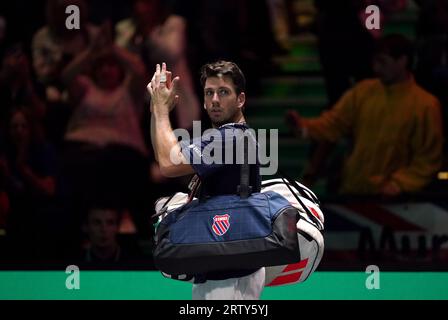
[
  {"x": 244, "y": 189},
  {"x": 288, "y": 181}
]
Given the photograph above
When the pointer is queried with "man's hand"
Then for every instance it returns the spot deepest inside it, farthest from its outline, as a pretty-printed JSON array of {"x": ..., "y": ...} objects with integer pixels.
[
  {"x": 390, "y": 189},
  {"x": 294, "y": 122},
  {"x": 387, "y": 188},
  {"x": 163, "y": 90}
]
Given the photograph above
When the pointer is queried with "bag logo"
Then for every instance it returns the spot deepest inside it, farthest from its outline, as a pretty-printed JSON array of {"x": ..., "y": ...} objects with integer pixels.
[
  {"x": 221, "y": 224},
  {"x": 314, "y": 212}
]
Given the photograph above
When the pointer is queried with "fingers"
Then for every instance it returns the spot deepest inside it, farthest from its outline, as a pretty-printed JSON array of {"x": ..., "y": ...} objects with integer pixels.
[
  {"x": 163, "y": 75},
  {"x": 292, "y": 113},
  {"x": 157, "y": 76},
  {"x": 175, "y": 84},
  {"x": 149, "y": 88},
  {"x": 161, "y": 78},
  {"x": 292, "y": 118},
  {"x": 289, "y": 118},
  {"x": 168, "y": 79},
  {"x": 153, "y": 82}
]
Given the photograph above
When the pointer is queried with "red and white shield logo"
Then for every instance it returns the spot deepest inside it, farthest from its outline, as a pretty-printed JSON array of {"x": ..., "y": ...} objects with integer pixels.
[{"x": 221, "y": 224}]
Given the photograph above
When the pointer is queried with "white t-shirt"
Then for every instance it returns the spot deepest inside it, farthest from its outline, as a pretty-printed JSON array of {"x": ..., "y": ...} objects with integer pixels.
[{"x": 106, "y": 117}]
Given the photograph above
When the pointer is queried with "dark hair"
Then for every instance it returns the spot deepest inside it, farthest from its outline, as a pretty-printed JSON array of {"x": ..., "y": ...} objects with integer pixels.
[
  {"x": 225, "y": 68},
  {"x": 396, "y": 46}
]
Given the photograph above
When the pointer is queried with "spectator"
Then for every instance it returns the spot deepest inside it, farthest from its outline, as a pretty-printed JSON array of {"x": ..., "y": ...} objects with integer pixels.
[
  {"x": 105, "y": 155},
  {"x": 17, "y": 87},
  {"x": 104, "y": 248},
  {"x": 345, "y": 52},
  {"x": 395, "y": 126},
  {"x": 53, "y": 47},
  {"x": 109, "y": 102},
  {"x": 102, "y": 227},
  {"x": 156, "y": 35},
  {"x": 27, "y": 170}
]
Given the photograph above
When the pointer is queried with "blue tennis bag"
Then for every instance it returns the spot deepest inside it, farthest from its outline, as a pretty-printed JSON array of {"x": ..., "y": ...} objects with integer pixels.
[{"x": 228, "y": 232}]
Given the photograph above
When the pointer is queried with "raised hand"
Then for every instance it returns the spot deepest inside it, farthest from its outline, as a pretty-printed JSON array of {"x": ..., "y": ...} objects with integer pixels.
[
  {"x": 390, "y": 189},
  {"x": 163, "y": 90},
  {"x": 293, "y": 119},
  {"x": 295, "y": 123}
]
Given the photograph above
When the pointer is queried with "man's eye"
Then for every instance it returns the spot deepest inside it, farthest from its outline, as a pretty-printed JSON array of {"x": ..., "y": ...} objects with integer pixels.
[
  {"x": 223, "y": 92},
  {"x": 209, "y": 93}
]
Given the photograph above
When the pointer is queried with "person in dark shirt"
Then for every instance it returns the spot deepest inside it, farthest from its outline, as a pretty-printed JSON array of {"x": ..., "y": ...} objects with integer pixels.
[
  {"x": 224, "y": 99},
  {"x": 28, "y": 176},
  {"x": 105, "y": 246}
]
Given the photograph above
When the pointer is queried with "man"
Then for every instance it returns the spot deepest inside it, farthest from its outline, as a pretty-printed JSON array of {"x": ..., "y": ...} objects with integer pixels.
[
  {"x": 395, "y": 125},
  {"x": 224, "y": 100},
  {"x": 102, "y": 227}
]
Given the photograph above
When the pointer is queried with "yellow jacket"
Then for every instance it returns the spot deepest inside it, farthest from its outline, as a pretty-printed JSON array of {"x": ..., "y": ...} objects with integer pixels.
[{"x": 396, "y": 131}]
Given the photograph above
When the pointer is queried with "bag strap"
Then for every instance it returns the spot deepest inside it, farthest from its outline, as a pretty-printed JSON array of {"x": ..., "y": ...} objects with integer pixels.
[
  {"x": 164, "y": 207},
  {"x": 244, "y": 189},
  {"x": 193, "y": 186},
  {"x": 295, "y": 185},
  {"x": 306, "y": 193}
]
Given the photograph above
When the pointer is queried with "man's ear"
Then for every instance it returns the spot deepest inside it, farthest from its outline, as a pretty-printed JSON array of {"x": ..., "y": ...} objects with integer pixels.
[
  {"x": 205, "y": 107},
  {"x": 241, "y": 100}
]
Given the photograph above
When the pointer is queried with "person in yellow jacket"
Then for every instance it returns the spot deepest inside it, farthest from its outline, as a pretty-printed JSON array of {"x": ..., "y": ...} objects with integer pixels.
[{"x": 395, "y": 125}]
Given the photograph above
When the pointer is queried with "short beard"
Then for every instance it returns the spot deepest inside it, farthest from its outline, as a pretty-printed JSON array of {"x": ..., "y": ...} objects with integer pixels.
[
  {"x": 230, "y": 119},
  {"x": 220, "y": 123}
]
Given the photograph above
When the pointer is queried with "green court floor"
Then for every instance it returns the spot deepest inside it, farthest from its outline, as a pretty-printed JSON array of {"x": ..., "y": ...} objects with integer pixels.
[{"x": 148, "y": 285}]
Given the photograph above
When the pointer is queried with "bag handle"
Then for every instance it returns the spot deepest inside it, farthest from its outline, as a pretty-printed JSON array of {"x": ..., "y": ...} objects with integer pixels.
[
  {"x": 307, "y": 194},
  {"x": 288, "y": 181},
  {"x": 244, "y": 189}
]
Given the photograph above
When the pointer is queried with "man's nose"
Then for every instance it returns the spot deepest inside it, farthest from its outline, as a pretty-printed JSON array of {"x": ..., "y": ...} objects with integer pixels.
[{"x": 215, "y": 97}]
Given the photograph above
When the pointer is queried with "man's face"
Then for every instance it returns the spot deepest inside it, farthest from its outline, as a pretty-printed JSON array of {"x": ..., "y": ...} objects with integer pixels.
[
  {"x": 19, "y": 128},
  {"x": 102, "y": 227},
  {"x": 389, "y": 69},
  {"x": 222, "y": 103}
]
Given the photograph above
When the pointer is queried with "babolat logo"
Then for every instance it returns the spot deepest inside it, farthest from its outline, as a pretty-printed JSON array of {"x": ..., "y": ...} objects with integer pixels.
[{"x": 221, "y": 224}]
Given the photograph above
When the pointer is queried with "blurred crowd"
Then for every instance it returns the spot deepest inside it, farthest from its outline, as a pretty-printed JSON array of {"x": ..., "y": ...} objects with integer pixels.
[
  {"x": 77, "y": 171},
  {"x": 78, "y": 179}
]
